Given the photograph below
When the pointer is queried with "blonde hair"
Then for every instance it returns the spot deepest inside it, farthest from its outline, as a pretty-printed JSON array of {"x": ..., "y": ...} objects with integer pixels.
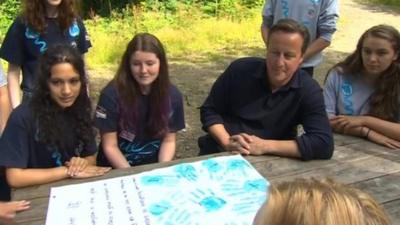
[{"x": 313, "y": 202}]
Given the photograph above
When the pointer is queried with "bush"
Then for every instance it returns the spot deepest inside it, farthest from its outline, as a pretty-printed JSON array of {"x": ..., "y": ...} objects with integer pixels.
[
  {"x": 8, "y": 11},
  {"x": 187, "y": 32},
  {"x": 210, "y": 7}
]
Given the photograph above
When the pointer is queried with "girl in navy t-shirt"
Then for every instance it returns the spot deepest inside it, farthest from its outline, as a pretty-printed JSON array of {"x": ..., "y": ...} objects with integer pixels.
[
  {"x": 139, "y": 111},
  {"x": 51, "y": 137},
  {"x": 41, "y": 24}
]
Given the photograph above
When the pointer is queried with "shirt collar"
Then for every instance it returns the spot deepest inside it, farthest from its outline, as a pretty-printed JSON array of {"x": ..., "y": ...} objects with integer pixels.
[{"x": 295, "y": 82}]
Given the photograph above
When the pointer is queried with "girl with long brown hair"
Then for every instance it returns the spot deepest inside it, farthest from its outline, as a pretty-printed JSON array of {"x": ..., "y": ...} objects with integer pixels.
[
  {"x": 362, "y": 93},
  {"x": 139, "y": 111}
]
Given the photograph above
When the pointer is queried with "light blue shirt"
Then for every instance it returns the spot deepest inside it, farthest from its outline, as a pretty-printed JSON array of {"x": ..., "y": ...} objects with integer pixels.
[
  {"x": 319, "y": 16},
  {"x": 347, "y": 94}
]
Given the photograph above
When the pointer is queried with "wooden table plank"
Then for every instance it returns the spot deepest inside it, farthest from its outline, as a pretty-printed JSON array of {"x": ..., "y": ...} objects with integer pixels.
[
  {"x": 372, "y": 168},
  {"x": 342, "y": 155},
  {"x": 347, "y": 172},
  {"x": 39, "y": 212},
  {"x": 393, "y": 210},
  {"x": 384, "y": 189},
  {"x": 342, "y": 140}
]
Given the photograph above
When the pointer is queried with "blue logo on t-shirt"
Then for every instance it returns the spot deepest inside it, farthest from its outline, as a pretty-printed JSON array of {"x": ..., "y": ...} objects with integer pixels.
[
  {"x": 285, "y": 8},
  {"x": 56, "y": 156},
  {"x": 31, "y": 34},
  {"x": 74, "y": 29},
  {"x": 73, "y": 32},
  {"x": 137, "y": 153},
  {"x": 347, "y": 91}
]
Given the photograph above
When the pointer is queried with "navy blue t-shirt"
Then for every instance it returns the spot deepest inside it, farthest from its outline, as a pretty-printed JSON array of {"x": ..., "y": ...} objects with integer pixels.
[
  {"x": 22, "y": 45},
  {"x": 137, "y": 147},
  {"x": 20, "y": 147}
]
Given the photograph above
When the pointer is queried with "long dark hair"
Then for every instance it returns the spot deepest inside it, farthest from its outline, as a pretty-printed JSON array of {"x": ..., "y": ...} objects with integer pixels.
[
  {"x": 48, "y": 114},
  {"x": 34, "y": 14},
  {"x": 128, "y": 88},
  {"x": 385, "y": 100}
]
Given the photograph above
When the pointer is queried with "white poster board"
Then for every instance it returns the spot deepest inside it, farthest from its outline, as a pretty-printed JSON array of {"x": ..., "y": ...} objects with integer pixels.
[{"x": 219, "y": 191}]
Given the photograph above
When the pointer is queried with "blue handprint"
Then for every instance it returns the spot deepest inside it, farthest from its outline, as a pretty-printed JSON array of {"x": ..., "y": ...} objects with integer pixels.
[
  {"x": 159, "y": 208},
  {"x": 174, "y": 211},
  {"x": 212, "y": 203},
  {"x": 236, "y": 187},
  {"x": 237, "y": 166},
  {"x": 233, "y": 187},
  {"x": 213, "y": 168},
  {"x": 159, "y": 180},
  {"x": 212, "y": 165},
  {"x": 207, "y": 200},
  {"x": 255, "y": 185},
  {"x": 186, "y": 171}
]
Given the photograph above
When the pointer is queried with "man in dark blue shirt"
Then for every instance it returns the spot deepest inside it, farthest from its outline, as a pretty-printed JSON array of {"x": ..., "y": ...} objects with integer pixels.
[{"x": 255, "y": 106}]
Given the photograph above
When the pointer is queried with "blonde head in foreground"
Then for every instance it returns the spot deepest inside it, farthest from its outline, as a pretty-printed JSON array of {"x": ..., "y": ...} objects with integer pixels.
[{"x": 313, "y": 202}]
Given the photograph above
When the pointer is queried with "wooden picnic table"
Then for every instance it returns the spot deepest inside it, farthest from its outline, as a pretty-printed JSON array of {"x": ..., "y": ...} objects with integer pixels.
[{"x": 367, "y": 166}]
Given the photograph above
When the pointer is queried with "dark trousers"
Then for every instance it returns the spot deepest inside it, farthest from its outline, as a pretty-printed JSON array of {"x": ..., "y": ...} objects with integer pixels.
[
  {"x": 309, "y": 70},
  {"x": 208, "y": 145}
]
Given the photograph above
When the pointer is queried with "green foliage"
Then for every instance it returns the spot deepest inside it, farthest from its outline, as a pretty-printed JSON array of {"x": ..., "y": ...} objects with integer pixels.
[
  {"x": 8, "y": 11},
  {"x": 210, "y": 7},
  {"x": 230, "y": 8},
  {"x": 186, "y": 32}
]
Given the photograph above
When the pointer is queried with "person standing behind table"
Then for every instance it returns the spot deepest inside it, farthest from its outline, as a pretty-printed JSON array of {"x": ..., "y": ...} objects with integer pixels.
[
  {"x": 362, "y": 92},
  {"x": 51, "y": 137},
  {"x": 255, "y": 106},
  {"x": 139, "y": 111},
  {"x": 319, "y": 16},
  {"x": 41, "y": 24}
]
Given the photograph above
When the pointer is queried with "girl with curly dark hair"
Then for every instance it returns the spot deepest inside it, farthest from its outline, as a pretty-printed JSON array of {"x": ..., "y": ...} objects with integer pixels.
[
  {"x": 139, "y": 111},
  {"x": 51, "y": 137},
  {"x": 41, "y": 24},
  {"x": 362, "y": 93}
]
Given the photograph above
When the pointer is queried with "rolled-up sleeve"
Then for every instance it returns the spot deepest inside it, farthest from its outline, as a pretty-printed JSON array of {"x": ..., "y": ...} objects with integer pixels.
[
  {"x": 317, "y": 140},
  {"x": 328, "y": 19}
]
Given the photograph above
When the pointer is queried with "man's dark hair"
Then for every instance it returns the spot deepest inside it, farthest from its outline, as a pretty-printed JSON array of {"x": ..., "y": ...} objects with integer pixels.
[{"x": 291, "y": 26}]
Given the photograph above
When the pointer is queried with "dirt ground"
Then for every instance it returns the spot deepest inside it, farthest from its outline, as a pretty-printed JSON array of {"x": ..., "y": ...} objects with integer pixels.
[{"x": 194, "y": 77}]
